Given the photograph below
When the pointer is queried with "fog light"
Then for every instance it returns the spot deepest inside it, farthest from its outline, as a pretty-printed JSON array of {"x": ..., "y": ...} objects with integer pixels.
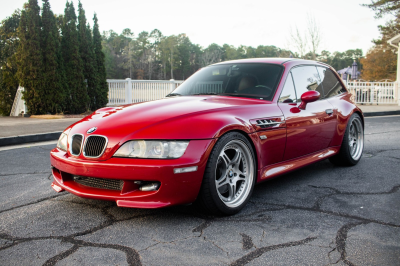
[
  {"x": 150, "y": 187},
  {"x": 185, "y": 170}
]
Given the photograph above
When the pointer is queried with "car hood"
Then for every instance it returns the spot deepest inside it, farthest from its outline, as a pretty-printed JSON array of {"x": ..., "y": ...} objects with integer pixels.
[
  {"x": 128, "y": 119},
  {"x": 182, "y": 117}
]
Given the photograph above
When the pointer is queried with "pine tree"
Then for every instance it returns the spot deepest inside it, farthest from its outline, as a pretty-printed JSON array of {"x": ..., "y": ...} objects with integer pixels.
[
  {"x": 87, "y": 55},
  {"x": 102, "y": 87},
  {"x": 29, "y": 57},
  {"x": 77, "y": 97},
  {"x": 383, "y": 7},
  {"x": 62, "y": 76},
  {"x": 9, "y": 43},
  {"x": 52, "y": 69}
]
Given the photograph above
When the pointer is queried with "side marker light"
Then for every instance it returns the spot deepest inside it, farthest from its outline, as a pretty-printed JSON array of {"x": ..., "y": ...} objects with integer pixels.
[{"x": 185, "y": 170}]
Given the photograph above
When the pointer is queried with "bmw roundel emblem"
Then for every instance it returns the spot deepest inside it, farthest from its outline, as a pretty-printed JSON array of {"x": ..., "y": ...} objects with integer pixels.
[{"x": 91, "y": 130}]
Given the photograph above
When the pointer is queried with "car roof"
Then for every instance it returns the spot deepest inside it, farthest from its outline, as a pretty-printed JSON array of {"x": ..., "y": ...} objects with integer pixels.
[{"x": 273, "y": 60}]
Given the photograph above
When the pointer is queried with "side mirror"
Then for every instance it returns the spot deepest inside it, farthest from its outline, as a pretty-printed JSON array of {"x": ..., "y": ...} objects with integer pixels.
[{"x": 308, "y": 97}]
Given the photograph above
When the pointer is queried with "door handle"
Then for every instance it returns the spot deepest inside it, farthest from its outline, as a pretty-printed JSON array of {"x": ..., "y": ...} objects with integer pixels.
[{"x": 329, "y": 111}]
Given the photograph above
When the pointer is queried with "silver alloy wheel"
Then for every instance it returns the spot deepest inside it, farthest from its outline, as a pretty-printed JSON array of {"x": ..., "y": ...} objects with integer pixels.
[
  {"x": 356, "y": 139},
  {"x": 234, "y": 174}
]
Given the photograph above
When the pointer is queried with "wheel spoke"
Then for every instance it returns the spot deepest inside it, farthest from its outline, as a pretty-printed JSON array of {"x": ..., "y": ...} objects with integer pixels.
[
  {"x": 226, "y": 159},
  {"x": 237, "y": 158},
  {"x": 352, "y": 130},
  {"x": 223, "y": 181},
  {"x": 223, "y": 175},
  {"x": 239, "y": 172},
  {"x": 241, "y": 178},
  {"x": 353, "y": 147},
  {"x": 232, "y": 191}
]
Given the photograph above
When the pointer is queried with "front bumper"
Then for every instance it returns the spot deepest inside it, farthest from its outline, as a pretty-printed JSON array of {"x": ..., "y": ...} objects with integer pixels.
[{"x": 175, "y": 189}]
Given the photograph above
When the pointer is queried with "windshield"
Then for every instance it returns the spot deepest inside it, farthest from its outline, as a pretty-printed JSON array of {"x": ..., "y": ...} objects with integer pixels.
[{"x": 242, "y": 80}]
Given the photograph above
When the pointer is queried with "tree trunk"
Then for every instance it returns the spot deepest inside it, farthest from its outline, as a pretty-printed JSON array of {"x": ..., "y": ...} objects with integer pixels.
[
  {"x": 172, "y": 71},
  {"x": 165, "y": 73}
]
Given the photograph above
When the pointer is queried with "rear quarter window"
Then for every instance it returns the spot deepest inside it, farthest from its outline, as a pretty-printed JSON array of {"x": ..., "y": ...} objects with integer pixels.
[{"x": 330, "y": 83}]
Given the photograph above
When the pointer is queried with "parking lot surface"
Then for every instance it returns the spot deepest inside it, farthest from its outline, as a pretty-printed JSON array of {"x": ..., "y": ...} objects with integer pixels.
[
  {"x": 319, "y": 215},
  {"x": 17, "y": 126}
]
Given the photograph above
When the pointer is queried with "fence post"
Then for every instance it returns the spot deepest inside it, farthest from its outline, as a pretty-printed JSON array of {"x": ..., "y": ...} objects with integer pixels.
[
  {"x": 372, "y": 92},
  {"x": 396, "y": 90},
  {"x": 172, "y": 85},
  {"x": 128, "y": 91}
]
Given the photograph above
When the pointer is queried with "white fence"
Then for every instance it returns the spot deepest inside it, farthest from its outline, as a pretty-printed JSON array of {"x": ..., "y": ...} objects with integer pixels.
[
  {"x": 374, "y": 92},
  {"x": 134, "y": 91}
]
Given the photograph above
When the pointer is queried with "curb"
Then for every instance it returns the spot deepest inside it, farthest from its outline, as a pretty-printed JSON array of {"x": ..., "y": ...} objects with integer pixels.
[
  {"x": 29, "y": 138},
  {"x": 383, "y": 113}
]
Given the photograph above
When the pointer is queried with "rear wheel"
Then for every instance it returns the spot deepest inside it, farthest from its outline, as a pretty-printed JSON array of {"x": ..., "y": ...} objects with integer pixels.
[
  {"x": 229, "y": 177},
  {"x": 353, "y": 143}
]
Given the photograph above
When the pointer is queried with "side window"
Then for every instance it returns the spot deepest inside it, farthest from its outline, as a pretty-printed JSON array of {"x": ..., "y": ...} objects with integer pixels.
[
  {"x": 306, "y": 78},
  {"x": 330, "y": 82},
  {"x": 288, "y": 94}
]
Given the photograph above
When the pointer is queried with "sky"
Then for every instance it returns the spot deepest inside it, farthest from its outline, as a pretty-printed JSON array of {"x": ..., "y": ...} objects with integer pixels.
[{"x": 344, "y": 24}]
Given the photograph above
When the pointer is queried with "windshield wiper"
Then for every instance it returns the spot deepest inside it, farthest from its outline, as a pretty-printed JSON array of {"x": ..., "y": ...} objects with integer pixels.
[
  {"x": 206, "y": 93},
  {"x": 173, "y": 94}
]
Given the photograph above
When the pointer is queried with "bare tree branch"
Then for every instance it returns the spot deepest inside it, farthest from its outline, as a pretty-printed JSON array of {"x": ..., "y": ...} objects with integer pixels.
[
  {"x": 210, "y": 57},
  {"x": 314, "y": 34},
  {"x": 298, "y": 41}
]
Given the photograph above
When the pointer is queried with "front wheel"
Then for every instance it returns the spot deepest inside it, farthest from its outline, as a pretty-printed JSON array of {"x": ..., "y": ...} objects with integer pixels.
[
  {"x": 352, "y": 145},
  {"x": 229, "y": 177}
]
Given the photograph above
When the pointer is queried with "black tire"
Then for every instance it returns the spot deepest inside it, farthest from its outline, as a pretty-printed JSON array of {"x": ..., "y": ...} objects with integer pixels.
[
  {"x": 346, "y": 157},
  {"x": 209, "y": 199}
]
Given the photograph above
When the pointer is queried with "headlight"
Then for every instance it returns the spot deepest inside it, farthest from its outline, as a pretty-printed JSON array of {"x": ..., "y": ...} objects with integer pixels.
[
  {"x": 152, "y": 149},
  {"x": 63, "y": 142}
]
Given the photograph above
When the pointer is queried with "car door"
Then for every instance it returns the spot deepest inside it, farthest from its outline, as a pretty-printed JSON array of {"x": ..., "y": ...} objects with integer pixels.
[
  {"x": 308, "y": 130},
  {"x": 333, "y": 93}
]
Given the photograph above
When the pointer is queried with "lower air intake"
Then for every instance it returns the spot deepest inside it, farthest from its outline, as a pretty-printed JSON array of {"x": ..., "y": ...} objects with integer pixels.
[{"x": 111, "y": 184}]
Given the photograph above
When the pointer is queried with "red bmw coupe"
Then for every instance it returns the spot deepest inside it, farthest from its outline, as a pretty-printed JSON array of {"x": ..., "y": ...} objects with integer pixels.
[{"x": 227, "y": 127}]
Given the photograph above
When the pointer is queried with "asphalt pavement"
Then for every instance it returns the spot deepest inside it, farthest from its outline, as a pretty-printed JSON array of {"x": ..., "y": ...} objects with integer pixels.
[
  {"x": 318, "y": 215},
  {"x": 19, "y": 130},
  {"x": 16, "y": 126}
]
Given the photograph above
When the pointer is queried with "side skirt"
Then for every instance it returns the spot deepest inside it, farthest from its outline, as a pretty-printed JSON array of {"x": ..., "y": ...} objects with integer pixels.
[{"x": 277, "y": 169}]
